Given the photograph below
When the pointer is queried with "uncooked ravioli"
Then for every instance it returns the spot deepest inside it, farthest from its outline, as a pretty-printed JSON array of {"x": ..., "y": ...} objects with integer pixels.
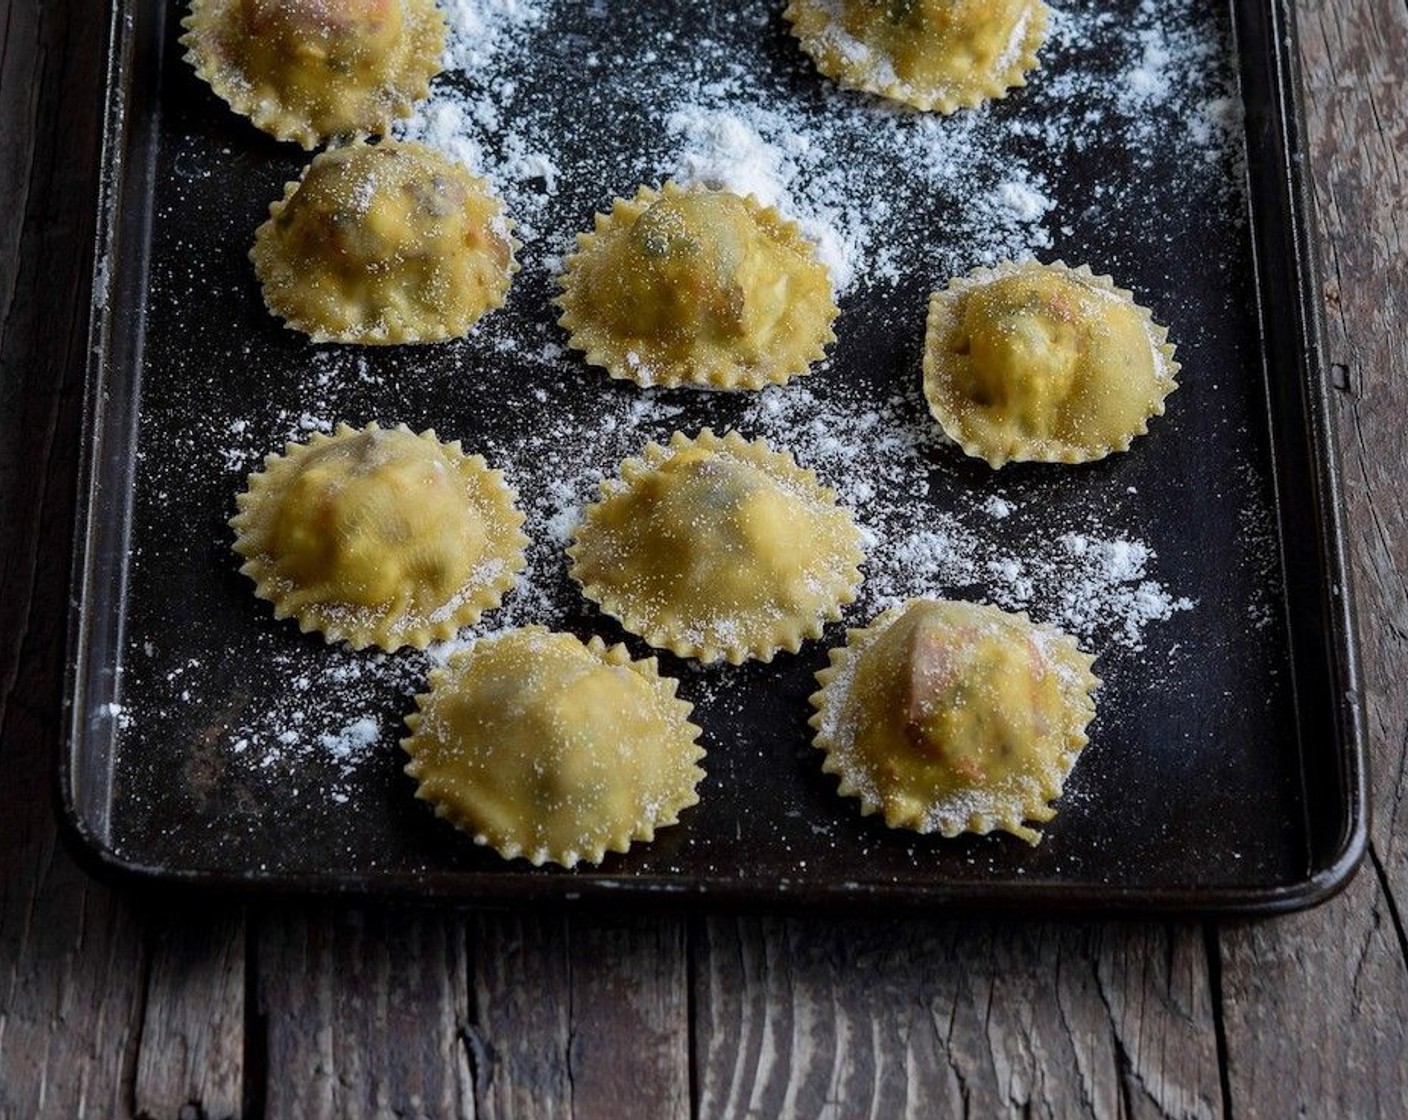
[
  {"x": 954, "y": 717},
  {"x": 380, "y": 536},
  {"x": 718, "y": 548},
  {"x": 1033, "y": 362},
  {"x": 313, "y": 70},
  {"x": 939, "y": 55},
  {"x": 697, "y": 287},
  {"x": 385, "y": 243},
  {"x": 545, "y": 748}
]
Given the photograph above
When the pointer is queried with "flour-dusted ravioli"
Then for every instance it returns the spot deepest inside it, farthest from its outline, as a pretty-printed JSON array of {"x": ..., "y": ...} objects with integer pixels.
[
  {"x": 953, "y": 717},
  {"x": 937, "y": 55},
  {"x": 697, "y": 287},
  {"x": 311, "y": 70},
  {"x": 718, "y": 548},
  {"x": 382, "y": 244},
  {"x": 541, "y": 747},
  {"x": 1033, "y": 362},
  {"x": 379, "y": 536}
]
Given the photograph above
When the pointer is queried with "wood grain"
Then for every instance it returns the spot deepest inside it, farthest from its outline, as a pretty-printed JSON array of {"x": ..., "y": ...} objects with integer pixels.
[
  {"x": 190, "y": 1056},
  {"x": 581, "y": 1018},
  {"x": 364, "y": 1015},
  {"x": 71, "y": 953},
  {"x": 841, "y": 1020},
  {"x": 1316, "y": 1005}
]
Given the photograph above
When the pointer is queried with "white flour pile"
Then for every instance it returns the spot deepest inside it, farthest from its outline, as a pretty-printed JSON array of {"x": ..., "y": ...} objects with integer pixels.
[
  {"x": 852, "y": 172},
  {"x": 846, "y": 167}
]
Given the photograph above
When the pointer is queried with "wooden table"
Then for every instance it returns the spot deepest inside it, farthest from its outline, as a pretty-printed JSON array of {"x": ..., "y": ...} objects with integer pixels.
[{"x": 113, "y": 1006}]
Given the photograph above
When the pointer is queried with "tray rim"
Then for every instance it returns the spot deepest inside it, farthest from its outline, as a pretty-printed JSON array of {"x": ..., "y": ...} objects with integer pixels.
[{"x": 1293, "y": 238}]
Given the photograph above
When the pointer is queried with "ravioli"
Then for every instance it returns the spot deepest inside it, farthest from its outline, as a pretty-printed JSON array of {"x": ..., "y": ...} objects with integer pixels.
[
  {"x": 697, "y": 287},
  {"x": 953, "y": 717},
  {"x": 314, "y": 70},
  {"x": 382, "y": 244},
  {"x": 1033, "y": 362},
  {"x": 380, "y": 536},
  {"x": 718, "y": 548},
  {"x": 939, "y": 55},
  {"x": 544, "y": 748}
]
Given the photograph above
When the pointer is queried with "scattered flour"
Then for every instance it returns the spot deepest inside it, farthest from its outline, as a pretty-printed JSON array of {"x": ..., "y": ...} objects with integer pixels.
[
  {"x": 712, "y": 106},
  {"x": 481, "y": 30},
  {"x": 348, "y": 745},
  {"x": 845, "y": 167}
]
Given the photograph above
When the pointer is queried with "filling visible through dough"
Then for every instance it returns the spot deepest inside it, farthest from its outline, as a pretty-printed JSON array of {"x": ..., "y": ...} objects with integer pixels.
[
  {"x": 937, "y": 55},
  {"x": 697, "y": 287},
  {"x": 716, "y": 547},
  {"x": 311, "y": 70},
  {"x": 379, "y": 537},
  {"x": 542, "y": 747},
  {"x": 385, "y": 244},
  {"x": 1043, "y": 362},
  {"x": 953, "y": 717}
]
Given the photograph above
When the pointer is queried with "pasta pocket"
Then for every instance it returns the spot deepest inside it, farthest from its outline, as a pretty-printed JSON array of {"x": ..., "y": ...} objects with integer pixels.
[
  {"x": 383, "y": 244},
  {"x": 1033, "y": 362},
  {"x": 380, "y": 536},
  {"x": 718, "y": 549},
  {"x": 551, "y": 750},
  {"x": 939, "y": 55},
  {"x": 697, "y": 287},
  {"x": 315, "y": 70},
  {"x": 953, "y": 717}
]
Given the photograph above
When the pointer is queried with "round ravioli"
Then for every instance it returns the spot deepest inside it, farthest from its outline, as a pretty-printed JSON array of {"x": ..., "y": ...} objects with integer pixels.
[
  {"x": 952, "y": 717},
  {"x": 379, "y": 537},
  {"x": 937, "y": 55},
  {"x": 718, "y": 548},
  {"x": 311, "y": 70},
  {"x": 697, "y": 287},
  {"x": 1034, "y": 362},
  {"x": 541, "y": 747},
  {"x": 385, "y": 243}
]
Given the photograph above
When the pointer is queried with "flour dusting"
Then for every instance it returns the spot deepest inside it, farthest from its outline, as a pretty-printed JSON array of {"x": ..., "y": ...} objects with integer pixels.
[{"x": 541, "y": 99}]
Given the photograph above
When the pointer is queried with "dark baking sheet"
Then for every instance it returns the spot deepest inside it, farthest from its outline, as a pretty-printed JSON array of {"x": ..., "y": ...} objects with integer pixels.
[{"x": 1226, "y": 765}]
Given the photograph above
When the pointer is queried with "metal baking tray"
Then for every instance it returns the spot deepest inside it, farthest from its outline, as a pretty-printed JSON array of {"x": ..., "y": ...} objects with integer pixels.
[{"x": 1226, "y": 771}]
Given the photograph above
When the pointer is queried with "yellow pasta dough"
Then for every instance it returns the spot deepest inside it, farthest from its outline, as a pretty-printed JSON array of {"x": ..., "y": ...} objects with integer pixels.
[
  {"x": 697, "y": 287},
  {"x": 937, "y": 55},
  {"x": 541, "y": 747},
  {"x": 953, "y": 717},
  {"x": 1043, "y": 362},
  {"x": 379, "y": 536},
  {"x": 311, "y": 70},
  {"x": 382, "y": 244},
  {"x": 718, "y": 548}
]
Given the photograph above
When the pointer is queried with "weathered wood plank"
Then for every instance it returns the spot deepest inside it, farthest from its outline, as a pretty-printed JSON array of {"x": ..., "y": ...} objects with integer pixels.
[
  {"x": 19, "y": 49},
  {"x": 190, "y": 1060},
  {"x": 71, "y": 954},
  {"x": 586, "y": 1018},
  {"x": 1356, "y": 57},
  {"x": 522, "y": 1017},
  {"x": 629, "y": 1049},
  {"x": 70, "y": 982},
  {"x": 364, "y": 1015},
  {"x": 841, "y": 1020},
  {"x": 1316, "y": 1006}
]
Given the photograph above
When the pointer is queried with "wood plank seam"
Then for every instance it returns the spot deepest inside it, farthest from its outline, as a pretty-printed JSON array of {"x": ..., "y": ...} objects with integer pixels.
[
  {"x": 1212, "y": 950},
  {"x": 254, "y": 1043},
  {"x": 693, "y": 930},
  {"x": 1124, "y": 1066},
  {"x": 138, "y": 1033},
  {"x": 1390, "y": 903}
]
